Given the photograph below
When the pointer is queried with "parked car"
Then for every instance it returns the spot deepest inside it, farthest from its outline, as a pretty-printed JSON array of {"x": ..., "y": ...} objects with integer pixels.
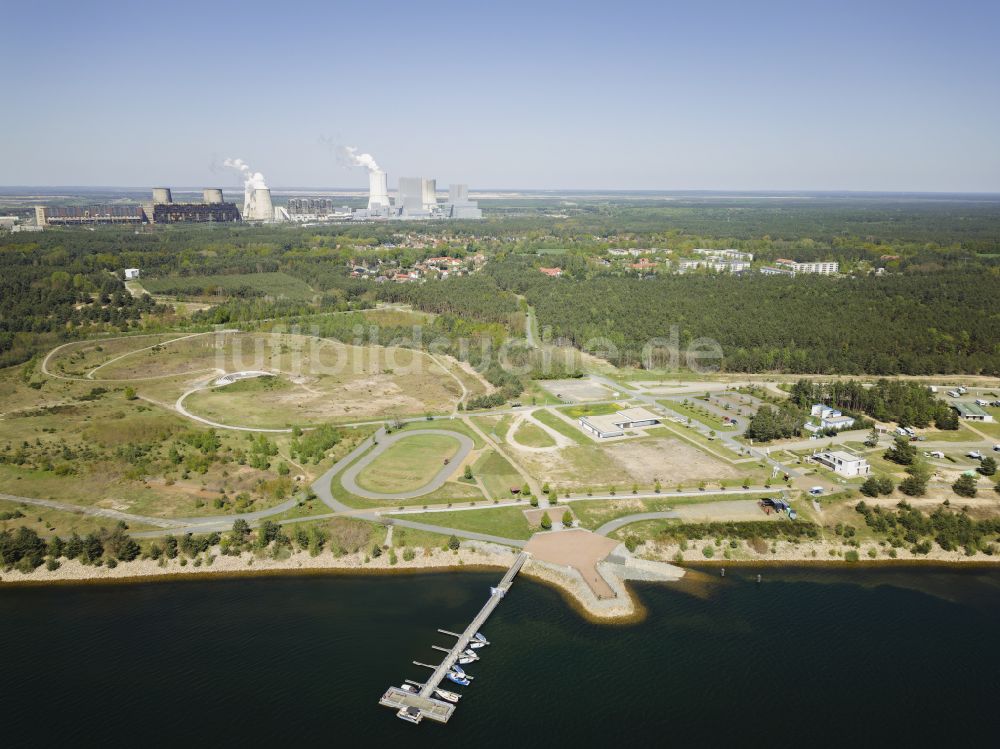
[{"x": 816, "y": 491}]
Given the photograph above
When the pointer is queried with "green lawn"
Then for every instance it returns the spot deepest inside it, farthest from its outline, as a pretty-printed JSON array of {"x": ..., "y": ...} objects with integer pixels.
[
  {"x": 531, "y": 435},
  {"x": 506, "y": 522},
  {"x": 408, "y": 464},
  {"x": 708, "y": 419},
  {"x": 591, "y": 409},
  {"x": 496, "y": 474},
  {"x": 551, "y": 420},
  {"x": 962, "y": 434}
]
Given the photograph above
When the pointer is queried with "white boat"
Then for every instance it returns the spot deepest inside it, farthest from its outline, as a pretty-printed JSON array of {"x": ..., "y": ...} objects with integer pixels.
[
  {"x": 478, "y": 637},
  {"x": 444, "y": 694},
  {"x": 460, "y": 671},
  {"x": 409, "y": 688},
  {"x": 471, "y": 654},
  {"x": 466, "y": 660},
  {"x": 477, "y": 645},
  {"x": 410, "y": 714}
]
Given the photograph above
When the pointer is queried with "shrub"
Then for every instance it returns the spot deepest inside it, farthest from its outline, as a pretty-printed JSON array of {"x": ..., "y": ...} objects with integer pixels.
[
  {"x": 965, "y": 486},
  {"x": 851, "y": 556},
  {"x": 708, "y": 550},
  {"x": 545, "y": 522}
]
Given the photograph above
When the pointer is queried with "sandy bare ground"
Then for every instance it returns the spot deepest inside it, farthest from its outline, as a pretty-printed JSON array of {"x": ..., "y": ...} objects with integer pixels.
[
  {"x": 471, "y": 553},
  {"x": 811, "y": 551},
  {"x": 577, "y": 391},
  {"x": 575, "y": 548},
  {"x": 667, "y": 460}
]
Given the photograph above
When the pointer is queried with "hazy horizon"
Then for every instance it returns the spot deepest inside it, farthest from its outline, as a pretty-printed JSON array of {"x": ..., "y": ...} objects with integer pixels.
[{"x": 901, "y": 97}]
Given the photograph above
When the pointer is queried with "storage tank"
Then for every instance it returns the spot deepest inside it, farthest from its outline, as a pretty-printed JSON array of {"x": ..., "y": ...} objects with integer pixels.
[
  {"x": 212, "y": 195},
  {"x": 162, "y": 195}
]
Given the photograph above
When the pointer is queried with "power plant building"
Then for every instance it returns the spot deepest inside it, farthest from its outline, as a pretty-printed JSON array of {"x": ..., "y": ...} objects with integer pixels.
[
  {"x": 213, "y": 209},
  {"x": 89, "y": 215}
]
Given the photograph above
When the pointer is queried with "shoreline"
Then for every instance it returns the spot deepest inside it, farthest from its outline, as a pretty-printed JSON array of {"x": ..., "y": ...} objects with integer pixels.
[{"x": 625, "y": 609}]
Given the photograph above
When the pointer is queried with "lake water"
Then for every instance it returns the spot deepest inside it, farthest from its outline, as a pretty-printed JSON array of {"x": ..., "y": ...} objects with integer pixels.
[{"x": 810, "y": 657}]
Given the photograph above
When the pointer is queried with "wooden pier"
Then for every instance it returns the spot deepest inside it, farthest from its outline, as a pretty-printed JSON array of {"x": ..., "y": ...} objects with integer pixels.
[{"x": 415, "y": 706}]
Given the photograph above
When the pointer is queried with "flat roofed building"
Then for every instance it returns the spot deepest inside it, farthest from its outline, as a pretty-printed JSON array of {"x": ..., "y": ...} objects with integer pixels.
[
  {"x": 843, "y": 463},
  {"x": 614, "y": 425},
  {"x": 972, "y": 412}
]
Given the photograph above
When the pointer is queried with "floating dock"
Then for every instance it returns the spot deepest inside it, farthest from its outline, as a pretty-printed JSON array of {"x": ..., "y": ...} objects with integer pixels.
[{"x": 415, "y": 706}]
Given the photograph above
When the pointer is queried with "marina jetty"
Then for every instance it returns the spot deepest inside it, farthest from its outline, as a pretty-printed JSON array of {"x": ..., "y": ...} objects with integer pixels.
[{"x": 414, "y": 701}]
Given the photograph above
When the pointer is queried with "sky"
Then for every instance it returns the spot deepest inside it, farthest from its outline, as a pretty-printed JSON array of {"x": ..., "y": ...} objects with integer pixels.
[{"x": 804, "y": 95}]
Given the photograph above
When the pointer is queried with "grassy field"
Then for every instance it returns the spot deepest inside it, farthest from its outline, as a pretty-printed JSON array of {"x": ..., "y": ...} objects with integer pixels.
[
  {"x": 551, "y": 420},
  {"x": 277, "y": 285},
  {"x": 962, "y": 434},
  {"x": 531, "y": 435},
  {"x": 591, "y": 409},
  {"x": 497, "y": 475},
  {"x": 707, "y": 418},
  {"x": 622, "y": 464},
  {"x": 324, "y": 382},
  {"x": 594, "y": 513},
  {"x": 408, "y": 464},
  {"x": 506, "y": 522},
  {"x": 695, "y": 437}
]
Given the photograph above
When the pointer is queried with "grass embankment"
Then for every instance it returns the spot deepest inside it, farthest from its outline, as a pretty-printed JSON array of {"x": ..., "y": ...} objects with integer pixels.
[{"x": 506, "y": 522}]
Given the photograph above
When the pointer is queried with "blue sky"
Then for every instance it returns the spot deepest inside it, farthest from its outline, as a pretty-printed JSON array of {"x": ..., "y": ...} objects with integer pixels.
[{"x": 627, "y": 95}]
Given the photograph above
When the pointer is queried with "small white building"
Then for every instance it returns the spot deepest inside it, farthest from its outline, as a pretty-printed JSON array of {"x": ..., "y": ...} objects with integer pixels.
[
  {"x": 827, "y": 418},
  {"x": 843, "y": 463},
  {"x": 131, "y": 274}
]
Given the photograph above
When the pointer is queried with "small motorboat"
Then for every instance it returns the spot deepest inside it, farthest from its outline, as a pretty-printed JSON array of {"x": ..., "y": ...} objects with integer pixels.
[
  {"x": 471, "y": 654},
  {"x": 410, "y": 714},
  {"x": 466, "y": 660},
  {"x": 409, "y": 688},
  {"x": 478, "y": 637},
  {"x": 457, "y": 679},
  {"x": 444, "y": 694},
  {"x": 477, "y": 645}
]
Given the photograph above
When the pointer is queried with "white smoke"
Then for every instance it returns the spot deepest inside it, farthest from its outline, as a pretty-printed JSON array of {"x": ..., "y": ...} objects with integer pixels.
[
  {"x": 361, "y": 159},
  {"x": 251, "y": 180}
]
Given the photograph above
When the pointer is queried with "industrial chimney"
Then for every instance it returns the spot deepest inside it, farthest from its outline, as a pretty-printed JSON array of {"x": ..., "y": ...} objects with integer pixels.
[
  {"x": 212, "y": 195},
  {"x": 162, "y": 195}
]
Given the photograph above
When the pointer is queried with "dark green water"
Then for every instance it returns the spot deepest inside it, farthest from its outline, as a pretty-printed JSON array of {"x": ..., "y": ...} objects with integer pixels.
[{"x": 808, "y": 658}]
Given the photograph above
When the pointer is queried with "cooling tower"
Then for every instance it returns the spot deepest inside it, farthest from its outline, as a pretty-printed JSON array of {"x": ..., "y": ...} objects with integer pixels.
[
  {"x": 212, "y": 195},
  {"x": 378, "y": 190},
  {"x": 258, "y": 205},
  {"x": 162, "y": 195}
]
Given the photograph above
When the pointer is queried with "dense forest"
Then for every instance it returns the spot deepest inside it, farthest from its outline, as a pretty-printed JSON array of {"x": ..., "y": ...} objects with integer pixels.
[
  {"x": 937, "y": 310},
  {"x": 917, "y": 324}
]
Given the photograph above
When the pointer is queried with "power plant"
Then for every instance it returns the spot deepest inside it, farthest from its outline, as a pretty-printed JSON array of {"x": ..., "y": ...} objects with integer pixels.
[{"x": 161, "y": 210}]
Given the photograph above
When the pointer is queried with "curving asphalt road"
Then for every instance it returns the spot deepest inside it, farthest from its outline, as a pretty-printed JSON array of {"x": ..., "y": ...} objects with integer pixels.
[
  {"x": 613, "y": 525},
  {"x": 349, "y": 479}
]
